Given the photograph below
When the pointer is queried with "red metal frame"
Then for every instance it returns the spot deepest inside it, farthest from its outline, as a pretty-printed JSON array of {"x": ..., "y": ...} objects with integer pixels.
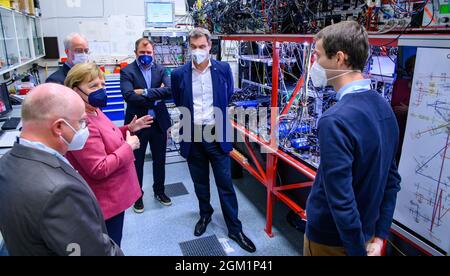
[
  {"x": 269, "y": 177},
  {"x": 408, "y": 241}
]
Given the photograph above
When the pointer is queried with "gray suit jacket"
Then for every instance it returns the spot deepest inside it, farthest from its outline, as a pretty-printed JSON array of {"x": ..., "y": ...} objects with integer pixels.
[{"x": 47, "y": 209}]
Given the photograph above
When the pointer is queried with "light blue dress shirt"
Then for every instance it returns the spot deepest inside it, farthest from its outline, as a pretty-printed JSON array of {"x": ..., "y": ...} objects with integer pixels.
[
  {"x": 42, "y": 147},
  {"x": 358, "y": 86},
  {"x": 147, "y": 73}
]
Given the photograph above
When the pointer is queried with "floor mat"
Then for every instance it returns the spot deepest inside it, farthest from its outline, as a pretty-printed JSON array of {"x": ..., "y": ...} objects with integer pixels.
[
  {"x": 208, "y": 246},
  {"x": 177, "y": 189}
]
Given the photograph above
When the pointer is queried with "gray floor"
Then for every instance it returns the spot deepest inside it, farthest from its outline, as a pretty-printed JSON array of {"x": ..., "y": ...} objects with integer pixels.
[{"x": 160, "y": 230}]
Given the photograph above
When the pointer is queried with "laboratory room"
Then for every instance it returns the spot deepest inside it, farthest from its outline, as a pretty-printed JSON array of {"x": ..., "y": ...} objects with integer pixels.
[{"x": 237, "y": 130}]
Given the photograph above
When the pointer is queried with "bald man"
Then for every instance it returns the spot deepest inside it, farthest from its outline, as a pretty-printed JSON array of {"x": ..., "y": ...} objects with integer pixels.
[
  {"x": 76, "y": 48},
  {"x": 46, "y": 208}
]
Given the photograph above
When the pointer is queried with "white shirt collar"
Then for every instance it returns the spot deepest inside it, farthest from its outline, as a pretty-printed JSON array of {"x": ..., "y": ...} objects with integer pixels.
[{"x": 206, "y": 69}]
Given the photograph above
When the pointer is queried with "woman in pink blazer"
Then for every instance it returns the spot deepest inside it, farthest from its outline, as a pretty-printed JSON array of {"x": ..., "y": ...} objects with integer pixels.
[{"x": 107, "y": 161}]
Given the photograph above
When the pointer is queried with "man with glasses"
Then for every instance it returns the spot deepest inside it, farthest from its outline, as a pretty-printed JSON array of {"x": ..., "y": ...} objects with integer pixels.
[
  {"x": 46, "y": 208},
  {"x": 77, "y": 50}
]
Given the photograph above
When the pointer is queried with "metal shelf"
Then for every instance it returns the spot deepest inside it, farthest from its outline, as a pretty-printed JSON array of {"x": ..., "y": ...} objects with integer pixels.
[
  {"x": 266, "y": 60},
  {"x": 310, "y": 173},
  {"x": 269, "y": 37},
  {"x": 19, "y": 12},
  {"x": 12, "y": 68},
  {"x": 394, "y": 39},
  {"x": 23, "y": 45},
  {"x": 256, "y": 84}
]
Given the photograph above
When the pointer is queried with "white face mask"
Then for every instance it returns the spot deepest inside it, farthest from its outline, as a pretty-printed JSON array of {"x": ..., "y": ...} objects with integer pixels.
[
  {"x": 80, "y": 58},
  {"x": 79, "y": 139},
  {"x": 319, "y": 75},
  {"x": 199, "y": 56}
]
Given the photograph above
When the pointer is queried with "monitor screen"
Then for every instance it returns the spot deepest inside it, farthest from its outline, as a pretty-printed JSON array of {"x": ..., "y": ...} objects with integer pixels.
[
  {"x": 51, "y": 48},
  {"x": 383, "y": 66},
  {"x": 5, "y": 103},
  {"x": 159, "y": 14}
]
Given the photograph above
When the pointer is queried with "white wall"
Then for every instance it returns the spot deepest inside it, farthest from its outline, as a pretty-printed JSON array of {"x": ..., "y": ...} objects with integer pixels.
[{"x": 62, "y": 17}]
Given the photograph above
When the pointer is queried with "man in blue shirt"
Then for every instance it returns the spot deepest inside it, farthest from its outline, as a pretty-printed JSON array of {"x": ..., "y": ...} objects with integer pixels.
[
  {"x": 351, "y": 205},
  {"x": 145, "y": 85}
]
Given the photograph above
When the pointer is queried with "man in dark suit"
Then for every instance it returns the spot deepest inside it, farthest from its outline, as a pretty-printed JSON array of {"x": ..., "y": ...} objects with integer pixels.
[
  {"x": 77, "y": 51},
  {"x": 145, "y": 86},
  {"x": 46, "y": 208},
  {"x": 204, "y": 87}
]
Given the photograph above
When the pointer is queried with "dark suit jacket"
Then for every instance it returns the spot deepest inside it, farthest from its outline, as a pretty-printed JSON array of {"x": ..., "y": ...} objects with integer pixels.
[
  {"x": 223, "y": 89},
  {"x": 47, "y": 209},
  {"x": 131, "y": 78},
  {"x": 60, "y": 75}
]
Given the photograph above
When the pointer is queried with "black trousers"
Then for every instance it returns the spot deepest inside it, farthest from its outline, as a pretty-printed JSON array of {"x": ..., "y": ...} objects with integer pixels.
[
  {"x": 114, "y": 226},
  {"x": 158, "y": 146},
  {"x": 200, "y": 157}
]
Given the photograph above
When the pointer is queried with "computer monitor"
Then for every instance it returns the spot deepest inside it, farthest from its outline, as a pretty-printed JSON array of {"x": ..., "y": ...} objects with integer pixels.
[
  {"x": 383, "y": 66},
  {"x": 51, "y": 48},
  {"x": 5, "y": 103},
  {"x": 159, "y": 14}
]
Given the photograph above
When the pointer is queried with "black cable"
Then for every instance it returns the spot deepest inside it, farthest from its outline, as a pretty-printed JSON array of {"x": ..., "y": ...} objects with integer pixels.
[
  {"x": 432, "y": 18},
  {"x": 407, "y": 27},
  {"x": 397, "y": 38}
]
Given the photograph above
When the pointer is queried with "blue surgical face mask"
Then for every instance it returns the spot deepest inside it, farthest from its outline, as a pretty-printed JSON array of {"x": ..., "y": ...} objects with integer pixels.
[
  {"x": 145, "y": 60},
  {"x": 98, "y": 98}
]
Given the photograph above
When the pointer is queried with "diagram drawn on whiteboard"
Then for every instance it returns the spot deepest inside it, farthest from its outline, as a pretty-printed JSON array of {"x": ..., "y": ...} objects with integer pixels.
[{"x": 424, "y": 202}]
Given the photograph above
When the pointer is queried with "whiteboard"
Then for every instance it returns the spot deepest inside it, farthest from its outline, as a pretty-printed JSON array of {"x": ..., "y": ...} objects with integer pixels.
[
  {"x": 78, "y": 8},
  {"x": 423, "y": 205},
  {"x": 124, "y": 21},
  {"x": 124, "y": 31},
  {"x": 94, "y": 30}
]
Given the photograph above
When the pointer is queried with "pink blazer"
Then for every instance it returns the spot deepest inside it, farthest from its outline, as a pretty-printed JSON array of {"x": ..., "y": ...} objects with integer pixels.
[{"x": 107, "y": 165}]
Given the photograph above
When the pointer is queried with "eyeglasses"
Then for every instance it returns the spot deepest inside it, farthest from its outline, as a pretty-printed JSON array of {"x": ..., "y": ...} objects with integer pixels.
[
  {"x": 82, "y": 51},
  {"x": 83, "y": 123}
]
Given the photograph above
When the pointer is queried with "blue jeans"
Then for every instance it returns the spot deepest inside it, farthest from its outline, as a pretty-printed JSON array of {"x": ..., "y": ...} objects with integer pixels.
[{"x": 200, "y": 156}]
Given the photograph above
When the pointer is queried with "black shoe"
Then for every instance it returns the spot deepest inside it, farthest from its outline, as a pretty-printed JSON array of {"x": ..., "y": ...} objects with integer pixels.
[
  {"x": 296, "y": 221},
  {"x": 163, "y": 199},
  {"x": 139, "y": 206},
  {"x": 244, "y": 242},
  {"x": 201, "y": 226}
]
